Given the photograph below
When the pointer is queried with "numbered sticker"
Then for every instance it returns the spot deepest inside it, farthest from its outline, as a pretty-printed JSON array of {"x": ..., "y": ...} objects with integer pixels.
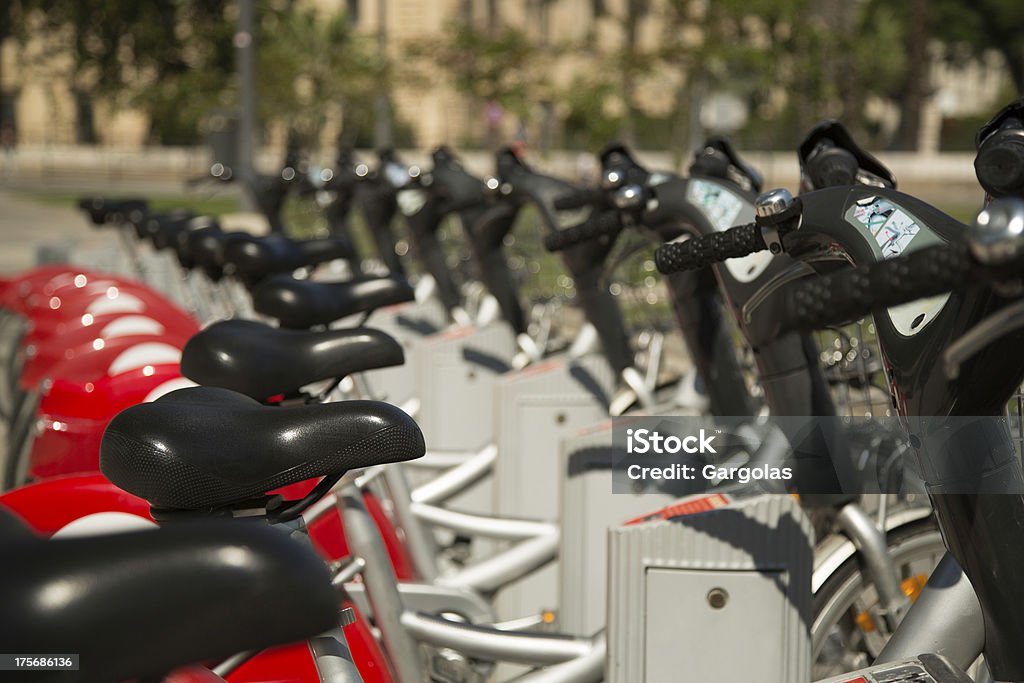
[
  {"x": 724, "y": 209},
  {"x": 718, "y": 204},
  {"x": 892, "y": 228}
]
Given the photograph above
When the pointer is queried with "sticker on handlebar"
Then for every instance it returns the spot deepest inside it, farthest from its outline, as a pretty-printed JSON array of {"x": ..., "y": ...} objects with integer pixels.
[
  {"x": 720, "y": 205},
  {"x": 892, "y": 228},
  {"x": 724, "y": 209}
]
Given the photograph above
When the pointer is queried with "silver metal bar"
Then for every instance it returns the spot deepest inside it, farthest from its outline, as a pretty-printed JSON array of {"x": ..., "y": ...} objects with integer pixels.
[
  {"x": 130, "y": 246},
  {"x": 586, "y": 669},
  {"x": 871, "y": 544},
  {"x": 490, "y": 644},
  {"x": 635, "y": 381},
  {"x": 946, "y": 619},
  {"x": 431, "y": 599},
  {"x": 457, "y": 479},
  {"x": 502, "y": 569},
  {"x": 22, "y": 436},
  {"x": 199, "y": 302},
  {"x": 419, "y": 541},
  {"x": 381, "y": 585},
  {"x": 654, "y": 354},
  {"x": 522, "y": 624},
  {"x": 468, "y": 524},
  {"x": 346, "y": 570},
  {"x": 233, "y": 662},
  {"x": 836, "y": 548},
  {"x": 330, "y": 652},
  {"x": 333, "y": 659},
  {"x": 440, "y": 460},
  {"x": 368, "y": 476}
]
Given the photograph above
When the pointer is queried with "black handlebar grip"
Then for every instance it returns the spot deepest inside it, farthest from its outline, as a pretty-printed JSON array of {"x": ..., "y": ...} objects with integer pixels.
[
  {"x": 579, "y": 199},
  {"x": 607, "y": 223},
  {"x": 1000, "y": 166},
  {"x": 848, "y": 295},
  {"x": 832, "y": 167},
  {"x": 700, "y": 252}
]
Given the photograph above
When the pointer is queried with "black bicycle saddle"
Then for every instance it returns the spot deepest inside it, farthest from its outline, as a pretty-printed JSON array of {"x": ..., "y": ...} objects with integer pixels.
[
  {"x": 719, "y": 159},
  {"x": 261, "y": 361},
  {"x": 137, "y": 605},
  {"x": 107, "y": 210},
  {"x": 301, "y": 304},
  {"x": 205, "y": 448},
  {"x": 254, "y": 258}
]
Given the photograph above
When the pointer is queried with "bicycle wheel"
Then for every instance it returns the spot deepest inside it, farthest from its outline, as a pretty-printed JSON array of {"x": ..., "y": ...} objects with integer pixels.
[{"x": 848, "y": 631}]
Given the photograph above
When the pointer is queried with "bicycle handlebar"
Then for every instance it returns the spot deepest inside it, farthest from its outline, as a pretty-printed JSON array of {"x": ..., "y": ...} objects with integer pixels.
[
  {"x": 579, "y": 199},
  {"x": 607, "y": 223},
  {"x": 700, "y": 252},
  {"x": 851, "y": 294}
]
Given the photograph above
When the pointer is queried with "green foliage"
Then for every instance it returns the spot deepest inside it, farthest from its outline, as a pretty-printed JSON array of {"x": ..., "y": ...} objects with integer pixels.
[
  {"x": 311, "y": 66},
  {"x": 590, "y": 122},
  {"x": 175, "y": 60},
  {"x": 496, "y": 67},
  {"x": 976, "y": 26}
]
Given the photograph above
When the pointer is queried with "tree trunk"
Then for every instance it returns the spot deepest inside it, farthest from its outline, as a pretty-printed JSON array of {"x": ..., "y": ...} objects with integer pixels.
[
  {"x": 916, "y": 84},
  {"x": 635, "y": 9},
  {"x": 1014, "y": 56},
  {"x": 85, "y": 121},
  {"x": 493, "y": 18}
]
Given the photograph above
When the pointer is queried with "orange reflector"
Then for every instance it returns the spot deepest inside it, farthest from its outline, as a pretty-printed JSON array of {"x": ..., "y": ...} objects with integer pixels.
[
  {"x": 864, "y": 622},
  {"x": 913, "y": 586}
]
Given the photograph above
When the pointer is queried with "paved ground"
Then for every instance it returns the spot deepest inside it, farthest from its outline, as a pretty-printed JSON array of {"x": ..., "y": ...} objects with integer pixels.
[{"x": 27, "y": 225}]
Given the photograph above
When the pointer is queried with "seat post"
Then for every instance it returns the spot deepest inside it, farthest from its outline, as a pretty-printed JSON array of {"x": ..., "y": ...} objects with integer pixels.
[
  {"x": 330, "y": 651},
  {"x": 420, "y": 541},
  {"x": 381, "y": 585}
]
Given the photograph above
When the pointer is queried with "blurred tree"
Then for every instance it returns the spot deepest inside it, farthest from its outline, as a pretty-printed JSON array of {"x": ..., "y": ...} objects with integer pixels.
[
  {"x": 496, "y": 68},
  {"x": 591, "y": 121},
  {"x": 916, "y": 86},
  {"x": 982, "y": 25},
  {"x": 175, "y": 60},
  {"x": 171, "y": 58},
  {"x": 795, "y": 61},
  {"x": 11, "y": 18},
  {"x": 634, "y": 63},
  {"x": 315, "y": 67}
]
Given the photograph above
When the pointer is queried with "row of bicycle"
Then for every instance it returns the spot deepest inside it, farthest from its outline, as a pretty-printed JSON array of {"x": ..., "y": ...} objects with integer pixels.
[{"x": 281, "y": 430}]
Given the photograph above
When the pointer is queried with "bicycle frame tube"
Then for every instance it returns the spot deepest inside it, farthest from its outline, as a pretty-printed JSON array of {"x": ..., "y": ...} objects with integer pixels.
[
  {"x": 423, "y": 226},
  {"x": 584, "y": 262}
]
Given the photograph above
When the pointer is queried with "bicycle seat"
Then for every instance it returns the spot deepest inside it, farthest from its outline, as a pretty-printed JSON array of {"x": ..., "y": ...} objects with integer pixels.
[
  {"x": 255, "y": 258},
  {"x": 163, "y": 231},
  {"x": 262, "y": 361},
  {"x": 203, "y": 225},
  {"x": 136, "y": 605},
  {"x": 103, "y": 210},
  {"x": 301, "y": 304},
  {"x": 209, "y": 448},
  {"x": 205, "y": 249}
]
